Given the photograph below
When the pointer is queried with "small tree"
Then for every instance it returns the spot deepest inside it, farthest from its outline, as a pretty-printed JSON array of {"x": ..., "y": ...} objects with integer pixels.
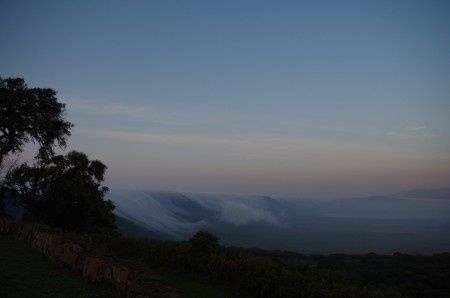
[
  {"x": 64, "y": 191},
  {"x": 204, "y": 243},
  {"x": 30, "y": 114}
]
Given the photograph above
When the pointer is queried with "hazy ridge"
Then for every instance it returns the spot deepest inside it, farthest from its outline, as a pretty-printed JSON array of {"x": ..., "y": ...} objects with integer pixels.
[{"x": 412, "y": 221}]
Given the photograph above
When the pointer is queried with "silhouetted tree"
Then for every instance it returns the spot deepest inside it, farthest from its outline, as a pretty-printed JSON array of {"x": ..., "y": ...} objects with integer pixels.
[
  {"x": 64, "y": 191},
  {"x": 30, "y": 114},
  {"x": 204, "y": 243}
]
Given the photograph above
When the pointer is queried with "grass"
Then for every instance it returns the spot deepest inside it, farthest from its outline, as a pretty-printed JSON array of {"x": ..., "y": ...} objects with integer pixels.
[
  {"x": 192, "y": 287},
  {"x": 27, "y": 273}
]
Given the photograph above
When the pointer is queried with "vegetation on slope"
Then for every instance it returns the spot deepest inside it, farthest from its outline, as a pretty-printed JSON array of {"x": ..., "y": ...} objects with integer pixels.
[
  {"x": 411, "y": 275},
  {"x": 250, "y": 276}
]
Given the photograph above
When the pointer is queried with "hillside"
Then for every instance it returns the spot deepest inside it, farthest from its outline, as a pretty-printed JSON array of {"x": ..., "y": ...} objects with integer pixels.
[
  {"x": 383, "y": 224},
  {"x": 27, "y": 273}
]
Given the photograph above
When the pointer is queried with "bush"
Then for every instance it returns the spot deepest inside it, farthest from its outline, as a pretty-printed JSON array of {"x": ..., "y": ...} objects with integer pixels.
[{"x": 204, "y": 243}]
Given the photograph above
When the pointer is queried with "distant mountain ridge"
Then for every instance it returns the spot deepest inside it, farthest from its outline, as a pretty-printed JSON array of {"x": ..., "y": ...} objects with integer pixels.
[
  {"x": 438, "y": 194},
  {"x": 416, "y": 221},
  {"x": 397, "y": 222},
  {"x": 179, "y": 214}
]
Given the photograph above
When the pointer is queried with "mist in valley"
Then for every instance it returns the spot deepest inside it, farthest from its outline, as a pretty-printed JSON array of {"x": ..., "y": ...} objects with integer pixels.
[{"x": 415, "y": 221}]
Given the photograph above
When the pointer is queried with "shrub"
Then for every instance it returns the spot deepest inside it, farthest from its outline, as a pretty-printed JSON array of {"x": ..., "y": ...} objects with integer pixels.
[{"x": 204, "y": 243}]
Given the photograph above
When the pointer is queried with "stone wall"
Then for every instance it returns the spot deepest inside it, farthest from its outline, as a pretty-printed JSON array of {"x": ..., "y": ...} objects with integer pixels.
[{"x": 72, "y": 250}]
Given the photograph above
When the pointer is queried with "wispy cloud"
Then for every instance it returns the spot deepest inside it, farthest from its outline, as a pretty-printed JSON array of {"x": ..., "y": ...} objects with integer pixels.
[
  {"x": 141, "y": 113},
  {"x": 417, "y": 127},
  {"x": 171, "y": 139},
  {"x": 149, "y": 114},
  {"x": 411, "y": 131},
  {"x": 281, "y": 147}
]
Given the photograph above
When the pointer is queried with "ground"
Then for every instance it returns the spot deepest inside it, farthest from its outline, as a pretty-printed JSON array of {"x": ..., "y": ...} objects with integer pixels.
[{"x": 27, "y": 273}]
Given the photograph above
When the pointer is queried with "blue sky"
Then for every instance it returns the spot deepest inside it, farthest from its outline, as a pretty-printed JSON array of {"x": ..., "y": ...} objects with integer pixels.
[{"x": 316, "y": 98}]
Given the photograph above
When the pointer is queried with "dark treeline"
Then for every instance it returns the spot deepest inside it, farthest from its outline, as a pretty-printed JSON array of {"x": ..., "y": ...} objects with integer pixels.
[
  {"x": 410, "y": 275},
  {"x": 261, "y": 273},
  {"x": 250, "y": 275}
]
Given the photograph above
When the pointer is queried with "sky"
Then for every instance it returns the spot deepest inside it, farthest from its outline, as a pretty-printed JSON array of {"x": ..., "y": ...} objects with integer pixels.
[{"x": 288, "y": 98}]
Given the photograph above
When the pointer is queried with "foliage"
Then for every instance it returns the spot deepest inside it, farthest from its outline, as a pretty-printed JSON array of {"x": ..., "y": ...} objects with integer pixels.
[
  {"x": 204, "y": 243},
  {"x": 413, "y": 275},
  {"x": 410, "y": 275},
  {"x": 30, "y": 114},
  {"x": 64, "y": 191},
  {"x": 251, "y": 276}
]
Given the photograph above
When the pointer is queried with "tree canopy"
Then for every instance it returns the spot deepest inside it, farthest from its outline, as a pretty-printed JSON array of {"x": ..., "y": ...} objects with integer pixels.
[
  {"x": 204, "y": 242},
  {"x": 60, "y": 190},
  {"x": 30, "y": 114},
  {"x": 64, "y": 191}
]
